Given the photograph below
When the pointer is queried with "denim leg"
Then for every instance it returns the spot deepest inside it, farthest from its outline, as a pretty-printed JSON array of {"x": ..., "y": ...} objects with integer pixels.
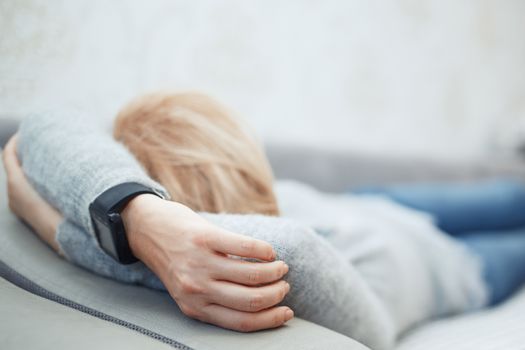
[
  {"x": 503, "y": 256},
  {"x": 463, "y": 207}
]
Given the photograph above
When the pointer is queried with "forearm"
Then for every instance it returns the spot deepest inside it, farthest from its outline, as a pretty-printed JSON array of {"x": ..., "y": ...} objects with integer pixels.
[
  {"x": 45, "y": 221},
  {"x": 71, "y": 160}
]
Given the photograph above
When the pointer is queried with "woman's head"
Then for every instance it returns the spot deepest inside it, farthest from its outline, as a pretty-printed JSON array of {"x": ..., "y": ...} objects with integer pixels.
[{"x": 193, "y": 146}]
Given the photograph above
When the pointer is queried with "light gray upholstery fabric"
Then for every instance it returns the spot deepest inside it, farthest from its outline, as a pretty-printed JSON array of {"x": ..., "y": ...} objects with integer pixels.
[
  {"x": 143, "y": 308},
  {"x": 339, "y": 170},
  {"x": 500, "y": 328},
  {"x": 8, "y": 126},
  {"x": 28, "y": 321}
]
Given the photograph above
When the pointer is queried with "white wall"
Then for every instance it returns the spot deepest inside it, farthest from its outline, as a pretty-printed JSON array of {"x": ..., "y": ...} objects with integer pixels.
[{"x": 426, "y": 77}]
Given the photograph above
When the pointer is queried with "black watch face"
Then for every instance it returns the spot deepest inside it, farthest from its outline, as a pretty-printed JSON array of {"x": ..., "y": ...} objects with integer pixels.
[{"x": 105, "y": 239}]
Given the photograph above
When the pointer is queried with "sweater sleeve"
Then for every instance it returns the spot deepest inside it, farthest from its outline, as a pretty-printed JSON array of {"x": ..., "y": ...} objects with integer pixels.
[
  {"x": 82, "y": 249},
  {"x": 71, "y": 159}
]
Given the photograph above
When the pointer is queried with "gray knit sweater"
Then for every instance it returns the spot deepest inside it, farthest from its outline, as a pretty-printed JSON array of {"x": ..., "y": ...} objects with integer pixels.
[{"x": 365, "y": 275}]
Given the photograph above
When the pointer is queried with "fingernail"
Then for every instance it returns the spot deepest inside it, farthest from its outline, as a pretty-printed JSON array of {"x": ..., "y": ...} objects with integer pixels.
[
  {"x": 271, "y": 257},
  {"x": 288, "y": 315},
  {"x": 287, "y": 287},
  {"x": 285, "y": 269}
]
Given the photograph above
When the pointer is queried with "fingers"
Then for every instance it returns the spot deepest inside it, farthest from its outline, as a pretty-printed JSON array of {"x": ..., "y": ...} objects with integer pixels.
[
  {"x": 247, "y": 321},
  {"x": 10, "y": 159},
  {"x": 236, "y": 244},
  {"x": 247, "y": 273},
  {"x": 250, "y": 299}
]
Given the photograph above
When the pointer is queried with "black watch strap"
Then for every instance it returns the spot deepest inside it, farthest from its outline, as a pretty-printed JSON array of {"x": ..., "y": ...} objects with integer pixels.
[{"x": 109, "y": 228}]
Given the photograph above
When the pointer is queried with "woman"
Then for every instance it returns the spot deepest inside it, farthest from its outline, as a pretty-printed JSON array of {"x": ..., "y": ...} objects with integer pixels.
[{"x": 387, "y": 274}]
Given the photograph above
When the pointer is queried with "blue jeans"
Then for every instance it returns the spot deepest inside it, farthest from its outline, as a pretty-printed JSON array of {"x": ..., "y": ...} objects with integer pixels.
[{"x": 488, "y": 217}]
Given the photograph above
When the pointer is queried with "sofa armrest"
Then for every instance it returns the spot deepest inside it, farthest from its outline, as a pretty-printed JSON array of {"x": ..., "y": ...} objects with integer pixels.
[
  {"x": 27, "y": 262},
  {"x": 55, "y": 327}
]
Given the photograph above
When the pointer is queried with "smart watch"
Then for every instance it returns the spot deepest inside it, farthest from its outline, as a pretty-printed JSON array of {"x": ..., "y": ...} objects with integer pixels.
[{"x": 109, "y": 228}]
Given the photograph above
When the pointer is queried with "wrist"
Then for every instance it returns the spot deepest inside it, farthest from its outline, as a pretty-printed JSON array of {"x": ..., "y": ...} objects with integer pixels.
[{"x": 134, "y": 216}]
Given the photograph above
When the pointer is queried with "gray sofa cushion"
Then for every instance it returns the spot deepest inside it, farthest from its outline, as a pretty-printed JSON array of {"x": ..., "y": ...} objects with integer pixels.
[
  {"x": 27, "y": 262},
  {"x": 31, "y": 322},
  {"x": 340, "y": 170},
  {"x": 502, "y": 327},
  {"x": 8, "y": 126}
]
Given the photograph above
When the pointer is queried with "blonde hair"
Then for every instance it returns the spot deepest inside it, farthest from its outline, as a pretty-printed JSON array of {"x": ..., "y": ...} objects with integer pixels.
[{"x": 194, "y": 147}]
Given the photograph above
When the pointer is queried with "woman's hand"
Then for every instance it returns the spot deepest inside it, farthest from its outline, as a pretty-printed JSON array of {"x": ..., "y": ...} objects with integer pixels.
[
  {"x": 193, "y": 259},
  {"x": 25, "y": 201}
]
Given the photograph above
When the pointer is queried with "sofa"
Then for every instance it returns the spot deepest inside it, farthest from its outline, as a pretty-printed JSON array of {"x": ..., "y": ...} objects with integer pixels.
[{"x": 47, "y": 303}]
